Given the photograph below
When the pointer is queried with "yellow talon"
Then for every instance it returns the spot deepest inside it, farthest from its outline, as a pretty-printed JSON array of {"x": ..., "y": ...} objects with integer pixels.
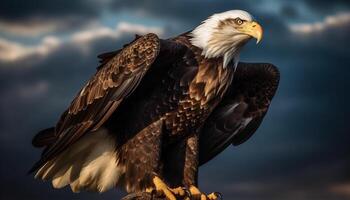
[
  {"x": 195, "y": 192},
  {"x": 213, "y": 196},
  {"x": 163, "y": 188},
  {"x": 178, "y": 191},
  {"x": 149, "y": 190}
]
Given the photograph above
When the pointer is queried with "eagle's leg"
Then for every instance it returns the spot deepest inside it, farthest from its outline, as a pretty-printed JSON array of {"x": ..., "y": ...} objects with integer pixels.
[
  {"x": 141, "y": 158},
  {"x": 191, "y": 170}
]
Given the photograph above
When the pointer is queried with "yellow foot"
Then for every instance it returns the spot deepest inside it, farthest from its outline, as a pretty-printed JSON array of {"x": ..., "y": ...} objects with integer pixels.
[
  {"x": 214, "y": 196},
  {"x": 179, "y": 191},
  {"x": 197, "y": 194},
  {"x": 163, "y": 189}
]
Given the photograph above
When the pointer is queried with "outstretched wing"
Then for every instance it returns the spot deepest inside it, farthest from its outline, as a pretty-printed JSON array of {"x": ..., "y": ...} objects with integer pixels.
[
  {"x": 115, "y": 80},
  {"x": 242, "y": 109}
]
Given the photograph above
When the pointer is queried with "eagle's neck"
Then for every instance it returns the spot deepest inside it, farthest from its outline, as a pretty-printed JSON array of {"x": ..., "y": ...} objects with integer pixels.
[
  {"x": 215, "y": 44},
  {"x": 229, "y": 58}
]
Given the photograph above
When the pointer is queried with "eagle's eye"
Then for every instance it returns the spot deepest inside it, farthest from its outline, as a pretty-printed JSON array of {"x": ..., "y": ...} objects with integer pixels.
[{"x": 238, "y": 21}]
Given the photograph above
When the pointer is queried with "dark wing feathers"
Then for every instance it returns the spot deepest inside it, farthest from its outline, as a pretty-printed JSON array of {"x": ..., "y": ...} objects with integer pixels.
[
  {"x": 242, "y": 109},
  {"x": 115, "y": 80},
  {"x": 44, "y": 137}
]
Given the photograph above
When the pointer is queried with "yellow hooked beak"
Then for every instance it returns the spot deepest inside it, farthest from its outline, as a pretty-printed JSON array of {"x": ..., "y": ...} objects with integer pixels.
[{"x": 253, "y": 29}]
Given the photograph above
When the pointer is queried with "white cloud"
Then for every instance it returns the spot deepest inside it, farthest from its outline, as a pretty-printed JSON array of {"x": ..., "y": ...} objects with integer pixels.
[
  {"x": 36, "y": 27},
  {"x": 11, "y": 51},
  {"x": 84, "y": 38},
  {"x": 124, "y": 27},
  {"x": 28, "y": 29},
  {"x": 330, "y": 22}
]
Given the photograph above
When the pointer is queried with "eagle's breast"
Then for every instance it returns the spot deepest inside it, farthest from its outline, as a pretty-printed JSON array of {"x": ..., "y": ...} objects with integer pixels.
[{"x": 200, "y": 96}]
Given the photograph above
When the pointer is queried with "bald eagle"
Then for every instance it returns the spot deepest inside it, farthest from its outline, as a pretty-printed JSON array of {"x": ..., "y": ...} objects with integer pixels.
[{"x": 157, "y": 109}]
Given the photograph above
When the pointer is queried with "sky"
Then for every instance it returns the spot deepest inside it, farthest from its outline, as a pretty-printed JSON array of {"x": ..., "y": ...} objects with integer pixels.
[{"x": 301, "y": 151}]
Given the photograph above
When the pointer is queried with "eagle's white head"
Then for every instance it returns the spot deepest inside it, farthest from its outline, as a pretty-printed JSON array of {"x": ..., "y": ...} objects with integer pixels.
[{"x": 224, "y": 34}]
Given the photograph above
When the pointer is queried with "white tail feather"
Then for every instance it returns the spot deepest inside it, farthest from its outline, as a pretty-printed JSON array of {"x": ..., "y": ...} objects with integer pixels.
[{"x": 89, "y": 164}]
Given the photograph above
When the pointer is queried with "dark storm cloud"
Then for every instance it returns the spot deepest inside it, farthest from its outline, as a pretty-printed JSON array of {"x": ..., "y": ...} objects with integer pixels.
[
  {"x": 35, "y": 17},
  {"x": 325, "y": 6},
  {"x": 192, "y": 11},
  {"x": 289, "y": 11},
  {"x": 20, "y": 10},
  {"x": 184, "y": 10}
]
